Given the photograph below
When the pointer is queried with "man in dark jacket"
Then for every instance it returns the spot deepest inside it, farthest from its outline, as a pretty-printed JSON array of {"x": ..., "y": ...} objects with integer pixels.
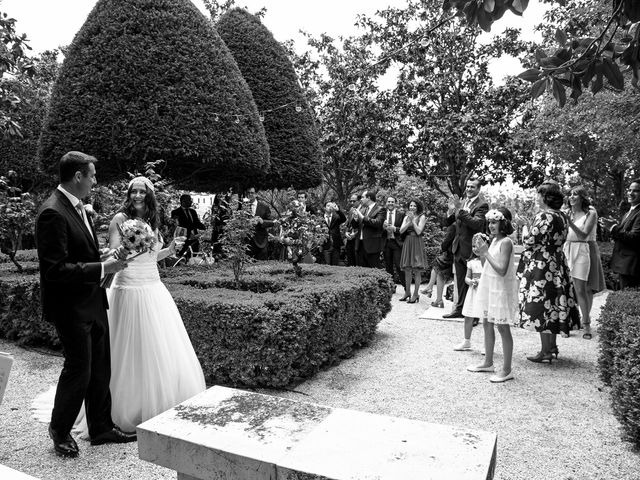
[{"x": 469, "y": 215}]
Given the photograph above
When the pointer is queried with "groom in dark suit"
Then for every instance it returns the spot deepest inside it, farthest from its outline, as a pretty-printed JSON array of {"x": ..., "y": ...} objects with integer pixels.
[
  {"x": 71, "y": 268},
  {"x": 625, "y": 260},
  {"x": 469, "y": 218}
]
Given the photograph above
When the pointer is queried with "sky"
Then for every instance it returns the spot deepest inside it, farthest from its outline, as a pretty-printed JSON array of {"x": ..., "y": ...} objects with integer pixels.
[{"x": 51, "y": 23}]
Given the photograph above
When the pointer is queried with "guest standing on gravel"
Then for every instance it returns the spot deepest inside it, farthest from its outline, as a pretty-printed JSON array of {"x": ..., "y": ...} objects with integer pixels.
[
  {"x": 469, "y": 214},
  {"x": 547, "y": 298},
  {"x": 497, "y": 297}
]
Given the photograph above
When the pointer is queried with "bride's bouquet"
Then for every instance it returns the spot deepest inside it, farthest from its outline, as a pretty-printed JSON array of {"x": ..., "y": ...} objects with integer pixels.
[{"x": 136, "y": 236}]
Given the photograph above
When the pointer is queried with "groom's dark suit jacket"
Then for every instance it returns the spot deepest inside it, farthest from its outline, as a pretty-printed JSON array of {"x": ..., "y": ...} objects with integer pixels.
[
  {"x": 74, "y": 302},
  {"x": 69, "y": 263}
]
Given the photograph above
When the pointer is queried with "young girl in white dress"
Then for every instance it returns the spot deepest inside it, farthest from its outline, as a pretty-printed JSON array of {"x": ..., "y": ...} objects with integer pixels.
[
  {"x": 497, "y": 297},
  {"x": 474, "y": 272},
  {"x": 153, "y": 364}
]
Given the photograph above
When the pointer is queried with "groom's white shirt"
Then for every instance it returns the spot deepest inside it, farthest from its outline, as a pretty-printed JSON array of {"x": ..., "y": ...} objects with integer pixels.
[{"x": 74, "y": 201}]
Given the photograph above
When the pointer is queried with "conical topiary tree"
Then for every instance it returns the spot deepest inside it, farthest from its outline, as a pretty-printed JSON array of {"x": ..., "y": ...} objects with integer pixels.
[
  {"x": 288, "y": 119},
  {"x": 151, "y": 79}
]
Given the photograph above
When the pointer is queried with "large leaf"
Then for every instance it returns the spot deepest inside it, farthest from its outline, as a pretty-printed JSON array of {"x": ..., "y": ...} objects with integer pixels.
[
  {"x": 561, "y": 37},
  {"x": 538, "y": 88},
  {"x": 559, "y": 93},
  {"x": 613, "y": 74},
  {"x": 530, "y": 75}
]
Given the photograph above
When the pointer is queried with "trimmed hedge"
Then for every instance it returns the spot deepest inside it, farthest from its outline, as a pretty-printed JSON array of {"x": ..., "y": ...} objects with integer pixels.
[
  {"x": 20, "y": 312},
  {"x": 276, "y": 330},
  {"x": 287, "y": 333},
  {"x": 151, "y": 79},
  {"x": 619, "y": 358},
  {"x": 293, "y": 137}
]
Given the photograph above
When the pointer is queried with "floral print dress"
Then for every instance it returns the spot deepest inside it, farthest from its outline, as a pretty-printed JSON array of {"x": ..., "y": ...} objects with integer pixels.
[{"x": 547, "y": 300}]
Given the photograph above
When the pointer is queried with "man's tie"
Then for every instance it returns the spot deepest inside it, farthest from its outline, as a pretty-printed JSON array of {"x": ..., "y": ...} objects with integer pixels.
[
  {"x": 83, "y": 216},
  {"x": 389, "y": 223}
]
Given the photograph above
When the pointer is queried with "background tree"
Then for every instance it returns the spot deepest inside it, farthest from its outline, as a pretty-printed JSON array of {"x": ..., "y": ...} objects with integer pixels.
[
  {"x": 578, "y": 62},
  {"x": 13, "y": 62},
  {"x": 360, "y": 128},
  {"x": 19, "y": 152},
  {"x": 287, "y": 118},
  {"x": 456, "y": 121},
  {"x": 151, "y": 79}
]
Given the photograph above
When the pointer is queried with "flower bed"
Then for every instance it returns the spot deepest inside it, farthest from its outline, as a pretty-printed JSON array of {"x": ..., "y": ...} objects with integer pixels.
[
  {"x": 619, "y": 358},
  {"x": 273, "y": 331}
]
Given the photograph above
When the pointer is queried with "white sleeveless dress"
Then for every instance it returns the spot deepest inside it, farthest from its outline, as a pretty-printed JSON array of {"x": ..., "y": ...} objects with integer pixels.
[
  {"x": 497, "y": 296},
  {"x": 153, "y": 364}
]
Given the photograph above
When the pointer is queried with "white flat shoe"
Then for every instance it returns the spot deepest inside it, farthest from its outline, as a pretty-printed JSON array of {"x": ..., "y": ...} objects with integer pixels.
[
  {"x": 477, "y": 368},
  {"x": 497, "y": 379},
  {"x": 463, "y": 347}
]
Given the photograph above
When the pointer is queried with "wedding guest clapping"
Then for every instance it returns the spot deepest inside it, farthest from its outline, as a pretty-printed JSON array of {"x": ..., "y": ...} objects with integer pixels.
[
  {"x": 413, "y": 260},
  {"x": 333, "y": 217},
  {"x": 547, "y": 299},
  {"x": 497, "y": 299},
  {"x": 583, "y": 255}
]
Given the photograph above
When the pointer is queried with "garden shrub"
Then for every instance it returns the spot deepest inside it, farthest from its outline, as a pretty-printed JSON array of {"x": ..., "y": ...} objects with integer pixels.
[
  {"x": 619, "y": 358},
  {"x": 289, "y": 121},
  {"x": 287, "y": 333},
  {"x": 151, "y": 79},
  {"x": 20, "y": 312},
  {"x": 611, "y": 278}
]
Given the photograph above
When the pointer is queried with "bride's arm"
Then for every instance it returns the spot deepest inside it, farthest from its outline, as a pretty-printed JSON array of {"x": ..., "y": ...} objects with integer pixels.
[
  {"x": 114, "y": 233},
  {"x": 167, "y": 251}
]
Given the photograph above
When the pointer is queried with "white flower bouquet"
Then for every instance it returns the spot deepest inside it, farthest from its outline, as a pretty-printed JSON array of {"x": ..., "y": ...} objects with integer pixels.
[{"x": 136, "y": 236}]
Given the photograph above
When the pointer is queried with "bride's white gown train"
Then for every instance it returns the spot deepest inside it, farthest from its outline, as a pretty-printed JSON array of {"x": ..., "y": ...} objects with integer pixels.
[{"x": 153, "y": 364}]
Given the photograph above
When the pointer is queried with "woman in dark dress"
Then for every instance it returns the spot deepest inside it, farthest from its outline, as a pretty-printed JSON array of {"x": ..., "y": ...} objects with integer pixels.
[
  {"x": 547, "y": 300},
  {"x": 413, "y": 259}
]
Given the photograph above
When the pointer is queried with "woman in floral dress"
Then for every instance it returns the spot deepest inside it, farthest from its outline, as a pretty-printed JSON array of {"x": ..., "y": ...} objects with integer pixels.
[{"x": 547, "y": 300}]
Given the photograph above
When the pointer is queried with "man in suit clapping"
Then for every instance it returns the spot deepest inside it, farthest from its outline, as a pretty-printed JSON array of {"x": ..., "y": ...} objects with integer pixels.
[
  {"x": 393, "y": 245},
  {"x": 187, "y": 217},
  {"x": 369, "y": 221},
  {"x": 625, "y": 260}
]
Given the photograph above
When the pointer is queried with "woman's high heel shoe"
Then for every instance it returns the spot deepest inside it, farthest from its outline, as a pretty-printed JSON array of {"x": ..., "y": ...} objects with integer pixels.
[
  {"x": 414, "y": 299},
  {"x": 439, "y": 304},
  {"x": 554, "y": 351},
  {"x": 406, "y": 296},
  {"x": 541, "y": 357}
]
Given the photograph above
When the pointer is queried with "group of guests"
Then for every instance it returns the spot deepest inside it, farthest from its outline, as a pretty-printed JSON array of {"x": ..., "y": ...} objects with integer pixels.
[{"x": 559, "y": 271}]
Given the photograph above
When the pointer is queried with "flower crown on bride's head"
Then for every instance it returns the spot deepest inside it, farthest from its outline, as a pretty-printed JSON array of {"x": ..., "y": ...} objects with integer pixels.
[
  {"x": 494, "y": 215},
  {"x": 143, "y": 180}
]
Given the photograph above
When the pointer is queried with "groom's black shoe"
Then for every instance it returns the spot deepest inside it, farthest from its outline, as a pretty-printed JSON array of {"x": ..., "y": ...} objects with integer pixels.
[
  {"x": 454, "y": 314},
  {"x": 115, "y": 435},
  {"x": 64, "y": 445}
]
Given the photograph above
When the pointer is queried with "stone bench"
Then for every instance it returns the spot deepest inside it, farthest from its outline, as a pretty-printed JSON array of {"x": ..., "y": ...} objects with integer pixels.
[
  {"x": 7, "y": 473},
  {"x": 228, "y": 434}
]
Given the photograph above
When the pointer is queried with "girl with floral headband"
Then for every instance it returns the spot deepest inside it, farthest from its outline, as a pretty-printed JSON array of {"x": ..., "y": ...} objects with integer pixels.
[
  {"x": 153, "y": 364},
  {"x": 497, "y": 299}
]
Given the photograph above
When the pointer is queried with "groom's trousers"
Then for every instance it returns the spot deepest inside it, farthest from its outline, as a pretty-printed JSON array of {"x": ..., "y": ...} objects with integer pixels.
[{"x": 85, "y": 375}]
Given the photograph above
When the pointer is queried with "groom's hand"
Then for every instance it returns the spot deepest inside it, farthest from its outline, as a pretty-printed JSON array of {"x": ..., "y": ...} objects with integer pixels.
[{"x": 114, "y": 265}]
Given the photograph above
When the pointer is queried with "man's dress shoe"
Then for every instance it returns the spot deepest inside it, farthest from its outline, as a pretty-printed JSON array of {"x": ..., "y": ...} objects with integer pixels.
[
  {"x": 454, "y": 314},
  {"x": 115, "y": 435},
  {"x": 64, "y": 445}
]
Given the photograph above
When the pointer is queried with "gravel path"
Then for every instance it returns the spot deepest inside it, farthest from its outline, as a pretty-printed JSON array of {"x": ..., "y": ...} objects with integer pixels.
[{"x": 553, "y": 421}]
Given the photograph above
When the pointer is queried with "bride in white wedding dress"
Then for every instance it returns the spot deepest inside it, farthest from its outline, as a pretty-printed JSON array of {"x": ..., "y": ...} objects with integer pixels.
[{"x": 153, "y": 364}]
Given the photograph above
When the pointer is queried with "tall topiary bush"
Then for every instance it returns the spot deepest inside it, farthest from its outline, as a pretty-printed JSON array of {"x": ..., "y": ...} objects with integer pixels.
[
  {"x": 151, "y": 79},
  {"x": 288, "y": 119}
]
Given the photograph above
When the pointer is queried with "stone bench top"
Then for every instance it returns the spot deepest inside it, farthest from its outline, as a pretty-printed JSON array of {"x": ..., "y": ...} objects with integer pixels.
[
  {"x": 7, "y": 473},
  {"x": 225, "y": 433}
]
